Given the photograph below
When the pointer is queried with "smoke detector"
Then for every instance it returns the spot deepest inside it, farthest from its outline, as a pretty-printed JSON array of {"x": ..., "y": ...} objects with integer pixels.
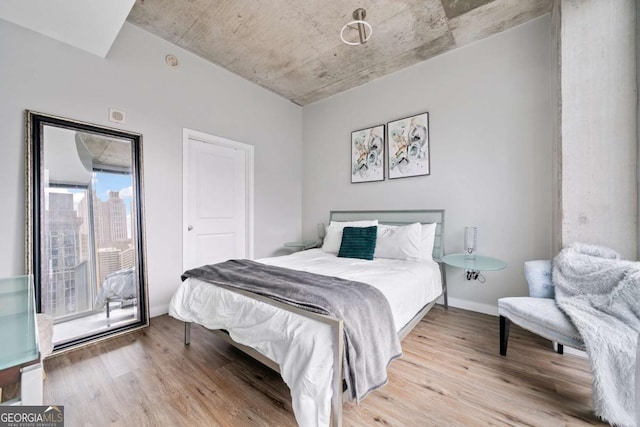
[{"x": 172, "y": 61}]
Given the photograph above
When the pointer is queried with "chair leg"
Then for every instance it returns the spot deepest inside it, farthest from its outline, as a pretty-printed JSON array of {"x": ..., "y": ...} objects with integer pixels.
[
  {"x": 504, "y": 335},
  {"x": 560, "y": 349}
]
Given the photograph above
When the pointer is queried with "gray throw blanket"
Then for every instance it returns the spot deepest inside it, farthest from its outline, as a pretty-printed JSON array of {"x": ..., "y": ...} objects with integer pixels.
[
  {"x": 371, "y": 342},
  {"x": 601, "y": 295}
]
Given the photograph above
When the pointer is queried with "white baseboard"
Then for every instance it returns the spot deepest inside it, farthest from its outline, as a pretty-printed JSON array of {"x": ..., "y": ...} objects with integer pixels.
[
  {"x": 478, "y": 307},
  {"x": 158, "y": 310}
]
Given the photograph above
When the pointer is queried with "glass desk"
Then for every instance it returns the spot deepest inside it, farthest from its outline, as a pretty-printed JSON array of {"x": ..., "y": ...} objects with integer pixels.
[
  {"x": 19, "y": 354},
  {"x": 301, "y": 245},
  {"x": 475, "y": 265}
]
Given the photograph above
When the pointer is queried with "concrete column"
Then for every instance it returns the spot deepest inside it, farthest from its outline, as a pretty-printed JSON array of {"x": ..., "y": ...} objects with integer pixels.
[
  {"x": 554, "y": 96},
  {"x": 638, "y": 154},
  {"x": 598, "y": 124}
]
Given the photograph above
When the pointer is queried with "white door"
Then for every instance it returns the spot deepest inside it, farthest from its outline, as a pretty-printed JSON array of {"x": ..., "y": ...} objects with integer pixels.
[{"x": 216, "y": 201}]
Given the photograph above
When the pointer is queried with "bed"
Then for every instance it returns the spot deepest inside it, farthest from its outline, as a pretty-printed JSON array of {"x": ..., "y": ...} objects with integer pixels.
[{"x": 307, "y": 348}]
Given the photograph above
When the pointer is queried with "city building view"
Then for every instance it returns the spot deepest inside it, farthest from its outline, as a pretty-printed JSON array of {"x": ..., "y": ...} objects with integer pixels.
[{"x": 75, "y": 265}]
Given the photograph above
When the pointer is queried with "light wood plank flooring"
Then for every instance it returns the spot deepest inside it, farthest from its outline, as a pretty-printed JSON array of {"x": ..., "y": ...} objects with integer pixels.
[{"x": 450, "y": 375}]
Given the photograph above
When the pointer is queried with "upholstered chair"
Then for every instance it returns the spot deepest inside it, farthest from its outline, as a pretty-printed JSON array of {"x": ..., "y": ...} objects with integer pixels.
[{"x": 538, "y": 312}]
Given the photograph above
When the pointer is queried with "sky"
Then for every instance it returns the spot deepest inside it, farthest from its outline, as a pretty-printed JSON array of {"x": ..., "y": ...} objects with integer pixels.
[{"x": 104, "y": 182}]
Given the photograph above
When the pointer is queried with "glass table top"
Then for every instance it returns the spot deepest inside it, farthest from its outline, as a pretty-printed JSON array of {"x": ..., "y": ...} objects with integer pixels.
[
  {"x": 304, "y": 244},
  {"x": 17, "y": 322},
  {"x": 480, "y": 263}
]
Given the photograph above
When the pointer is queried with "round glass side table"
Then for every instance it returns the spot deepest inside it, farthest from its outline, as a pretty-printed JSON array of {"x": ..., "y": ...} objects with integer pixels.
[{"x": 475, "y": 265}]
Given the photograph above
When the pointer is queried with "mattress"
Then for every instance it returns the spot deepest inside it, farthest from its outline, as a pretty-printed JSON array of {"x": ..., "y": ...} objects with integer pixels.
[
  {"x": 301, "y": 346},
  {"x": 407, "y": 285}
]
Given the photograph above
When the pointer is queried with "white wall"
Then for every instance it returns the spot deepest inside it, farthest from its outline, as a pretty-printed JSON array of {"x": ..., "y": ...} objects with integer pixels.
[
  {"x": 491, "y": 152},
  {"x": 40, "y": 74},
  {"x": 598, "y": 124}
]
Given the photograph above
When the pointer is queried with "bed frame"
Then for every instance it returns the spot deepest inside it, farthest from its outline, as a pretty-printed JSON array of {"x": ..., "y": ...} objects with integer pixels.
[{"x": 402, "y": 217}]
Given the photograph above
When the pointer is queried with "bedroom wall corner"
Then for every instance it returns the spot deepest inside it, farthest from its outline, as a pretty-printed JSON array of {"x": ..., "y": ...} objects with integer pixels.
[
  {"x": 41, "y": 74},
  {"x": 491, "y": 153}
]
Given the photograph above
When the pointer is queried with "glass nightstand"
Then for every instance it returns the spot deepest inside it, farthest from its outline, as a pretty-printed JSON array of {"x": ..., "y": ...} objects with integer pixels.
[
  {"x": 20, "y": 358},
  {"x": 475, "y": 265},
  {"x": 301, "y": 245}
]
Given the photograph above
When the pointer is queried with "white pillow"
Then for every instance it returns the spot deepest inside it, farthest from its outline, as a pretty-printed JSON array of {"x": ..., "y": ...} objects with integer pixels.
[
  {"x": 362, "y": 223},
  {"x": 427, "y": 240},
  {"x": 333, "y": 238},
  {"x": 399, "y": 241}
]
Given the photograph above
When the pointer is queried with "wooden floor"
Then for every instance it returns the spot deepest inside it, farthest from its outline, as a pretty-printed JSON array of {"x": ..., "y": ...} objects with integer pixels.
[{"x": 450, "y": 375}]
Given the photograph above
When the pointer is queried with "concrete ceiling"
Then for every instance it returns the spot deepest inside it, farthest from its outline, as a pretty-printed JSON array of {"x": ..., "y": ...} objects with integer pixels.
[{"x": 293, "y": 47}]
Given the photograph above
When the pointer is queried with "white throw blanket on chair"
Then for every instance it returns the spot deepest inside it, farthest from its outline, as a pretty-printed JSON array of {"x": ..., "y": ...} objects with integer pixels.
[{"x": 601, "y": 295}]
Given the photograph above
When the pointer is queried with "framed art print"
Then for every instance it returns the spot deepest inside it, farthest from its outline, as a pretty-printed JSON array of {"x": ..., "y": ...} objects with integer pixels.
[
  {"x": 367, "y": 154},
  {"x": 408, "y": 146}
]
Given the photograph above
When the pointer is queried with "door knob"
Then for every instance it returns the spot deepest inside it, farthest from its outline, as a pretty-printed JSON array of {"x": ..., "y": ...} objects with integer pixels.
[{"x": 189, "y": 228}]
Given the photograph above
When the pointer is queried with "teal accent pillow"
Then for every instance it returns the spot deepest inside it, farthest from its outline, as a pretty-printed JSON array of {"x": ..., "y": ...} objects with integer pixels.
[{"x": 358, "y": 242}]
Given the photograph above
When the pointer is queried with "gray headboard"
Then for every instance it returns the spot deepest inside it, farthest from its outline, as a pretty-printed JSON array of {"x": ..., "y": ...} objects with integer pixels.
[{"x": 427, "y": 216}]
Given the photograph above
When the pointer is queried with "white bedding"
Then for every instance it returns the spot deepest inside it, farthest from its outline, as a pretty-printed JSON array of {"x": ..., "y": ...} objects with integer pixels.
[
  {"x": 301, "y": 346},
  {"x": 407, "y": 285}
]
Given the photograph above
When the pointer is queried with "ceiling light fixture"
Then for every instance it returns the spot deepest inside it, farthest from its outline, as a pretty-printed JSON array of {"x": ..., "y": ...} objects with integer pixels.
[{"x": 363, "y": 27}]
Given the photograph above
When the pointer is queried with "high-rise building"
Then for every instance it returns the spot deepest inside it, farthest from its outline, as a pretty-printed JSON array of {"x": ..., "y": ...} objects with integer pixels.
[
  {"x": 117, "y": 217},
  {"x": 85, "y": 229},
  {"x": 108, "y": 262},
  {"x": 61, "y": 255},
  {"x": 112, "y": 221},
  {"x": 127, "y": 258}
]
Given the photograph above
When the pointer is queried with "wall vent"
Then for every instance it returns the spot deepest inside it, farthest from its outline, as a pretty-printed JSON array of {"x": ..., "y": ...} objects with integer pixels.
[{"x": 116, "y": 116}]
